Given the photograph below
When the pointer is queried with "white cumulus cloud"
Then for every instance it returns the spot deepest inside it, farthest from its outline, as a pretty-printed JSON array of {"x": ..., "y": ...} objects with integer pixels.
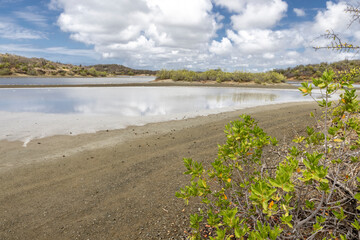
[
  {"x": 293, "y": 45},
  {"x": 299, "y": 12},
  {"x": 254, "y": 13},
  {"x": 333, "y": 17},
  {"x": 159, "y": 34},
  {"x": 221, "y": 48},
  {"x": 119, "y": 28},
  {"x": 232, "y": 5}
]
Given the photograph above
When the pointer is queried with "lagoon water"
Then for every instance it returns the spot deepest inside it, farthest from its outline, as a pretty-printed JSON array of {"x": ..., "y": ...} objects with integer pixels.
[
  {"x": 29, "y": 113},
  {"x": 75, "y": 81}
]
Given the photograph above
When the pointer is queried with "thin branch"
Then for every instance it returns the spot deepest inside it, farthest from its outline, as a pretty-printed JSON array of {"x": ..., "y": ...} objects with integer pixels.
[
  {"x": 312, "y": 215},
  {"x": 336, "y": 43}
]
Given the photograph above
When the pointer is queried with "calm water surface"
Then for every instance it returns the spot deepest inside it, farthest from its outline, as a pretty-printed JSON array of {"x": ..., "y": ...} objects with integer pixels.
[
  {"x": 75, "y": 81},
  {"x": 29, "y": 113},
  {"x": 138, "y": 101}
]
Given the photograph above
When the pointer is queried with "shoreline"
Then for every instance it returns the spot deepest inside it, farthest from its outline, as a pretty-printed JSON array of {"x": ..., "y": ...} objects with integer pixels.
[
  {"x": 77, "y": 76},
  {"x": 161, "y": 84},
  {"x": 120, "y": 183},
  {"x": 167, "y": 84}
]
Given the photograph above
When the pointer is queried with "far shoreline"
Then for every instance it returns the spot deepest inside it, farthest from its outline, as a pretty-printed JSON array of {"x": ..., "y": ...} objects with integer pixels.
[
  {"x": 77, "y": 76},
  {"x": 164, "y": 83}
]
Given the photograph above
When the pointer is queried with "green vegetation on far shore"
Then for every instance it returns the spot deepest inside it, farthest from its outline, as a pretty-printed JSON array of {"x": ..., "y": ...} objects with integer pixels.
[
  {"x": 307, "y": 72},
  {"x": 18, "y": 66},
  {"x": 300, "y": 72},
  {"x": 219, "y": 76}
]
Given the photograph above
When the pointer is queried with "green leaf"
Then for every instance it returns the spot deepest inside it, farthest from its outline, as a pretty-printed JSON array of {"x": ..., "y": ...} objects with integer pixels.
[
  {"x": 357, "y": 196},
  {"x": 310, "y": 205},
  {"x": 332, "y": 130},
  {"x": 317, "y": 227},
  {"x": 339, "y": 215},
  {"x": 287, "y": 198},
  {"x": 324, "y": 187},
  {"x": 322, "y": 85},
  {"x": 195, "y": 220},
  {"x": 286, "y": 219},
  {"x": 220, "y": 234},
  {"x": 343, "y": 237},
  {"x": 356, "y": 225},
  {"x": 320, "y": 219},
  {"x": 241, "y": 231},
  {"x": 261, "y": 193}
]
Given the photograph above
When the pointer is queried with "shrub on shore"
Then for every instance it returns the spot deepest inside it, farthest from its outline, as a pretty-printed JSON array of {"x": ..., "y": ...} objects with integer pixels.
[
  {"x": 5, "y": 71},
  {"x": 219, "y": 76},
  {"x": 309, "y": 189}
]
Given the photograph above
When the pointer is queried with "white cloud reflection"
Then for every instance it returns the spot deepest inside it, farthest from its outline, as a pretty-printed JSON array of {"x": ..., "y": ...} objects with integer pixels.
[{"x": 35, "y": 113}]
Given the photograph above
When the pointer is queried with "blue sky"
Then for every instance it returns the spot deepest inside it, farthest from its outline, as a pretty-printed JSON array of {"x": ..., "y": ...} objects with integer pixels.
[{"x": 250, "y": 35}]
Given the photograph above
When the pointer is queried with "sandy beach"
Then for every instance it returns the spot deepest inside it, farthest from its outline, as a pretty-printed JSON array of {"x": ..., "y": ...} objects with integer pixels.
[{"x": 117, "y": 184}]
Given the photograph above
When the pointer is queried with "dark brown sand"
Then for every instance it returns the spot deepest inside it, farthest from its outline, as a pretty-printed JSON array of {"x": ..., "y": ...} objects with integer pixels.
[{"x": 117, "y": 184}]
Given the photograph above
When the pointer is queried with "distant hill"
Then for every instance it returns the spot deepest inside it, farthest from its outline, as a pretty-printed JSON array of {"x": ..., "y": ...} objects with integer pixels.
[
  {"x": 306, "y": 72},
  {"x": 14, "y": 65}
]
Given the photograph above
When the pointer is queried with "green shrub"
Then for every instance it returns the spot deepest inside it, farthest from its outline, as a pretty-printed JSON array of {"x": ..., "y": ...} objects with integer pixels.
[
  {"x": 61, "y": 72},
  {"x": 24, "y": 68},
  {"x": 274, "y": 77},
  {"x": 163, "y": 74},
  {"x": 259, "y": 78},
  {"x": 5, "y": 71},
  {"x": 4, "y": 65},
  {"x": 92, "y": 72},
  {"x": 83, "y": 72},
  {"x": 309, "y": 191},
  {"x": 70, "y": 73},
  {"x": 102, "y": 74},
  {"x": 211, "y": 75},
  {"x": 50, "y": 66},
  {"x": 40, "y": 72},
  {"x": 243, "y": 76},
  {"x": 177, "y": 76},
  {"x": 219, "y": 76},
  {"x": 31, "y": 72}
]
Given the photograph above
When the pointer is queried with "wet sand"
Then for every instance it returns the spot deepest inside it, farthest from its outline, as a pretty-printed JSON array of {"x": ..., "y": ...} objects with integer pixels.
[{"x": 117, "y": 184}]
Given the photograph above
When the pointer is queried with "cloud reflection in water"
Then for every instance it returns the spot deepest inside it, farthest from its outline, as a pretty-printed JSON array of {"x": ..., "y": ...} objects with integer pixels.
[
  {"x": 132, "y": 101},
  {"x": 39, "y": 112}
]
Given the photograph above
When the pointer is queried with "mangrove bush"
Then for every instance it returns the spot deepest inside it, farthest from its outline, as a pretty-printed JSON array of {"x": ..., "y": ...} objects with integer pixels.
[
  {"x": 309, "y": 191},
  {"x": 219, "y": 76}
]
